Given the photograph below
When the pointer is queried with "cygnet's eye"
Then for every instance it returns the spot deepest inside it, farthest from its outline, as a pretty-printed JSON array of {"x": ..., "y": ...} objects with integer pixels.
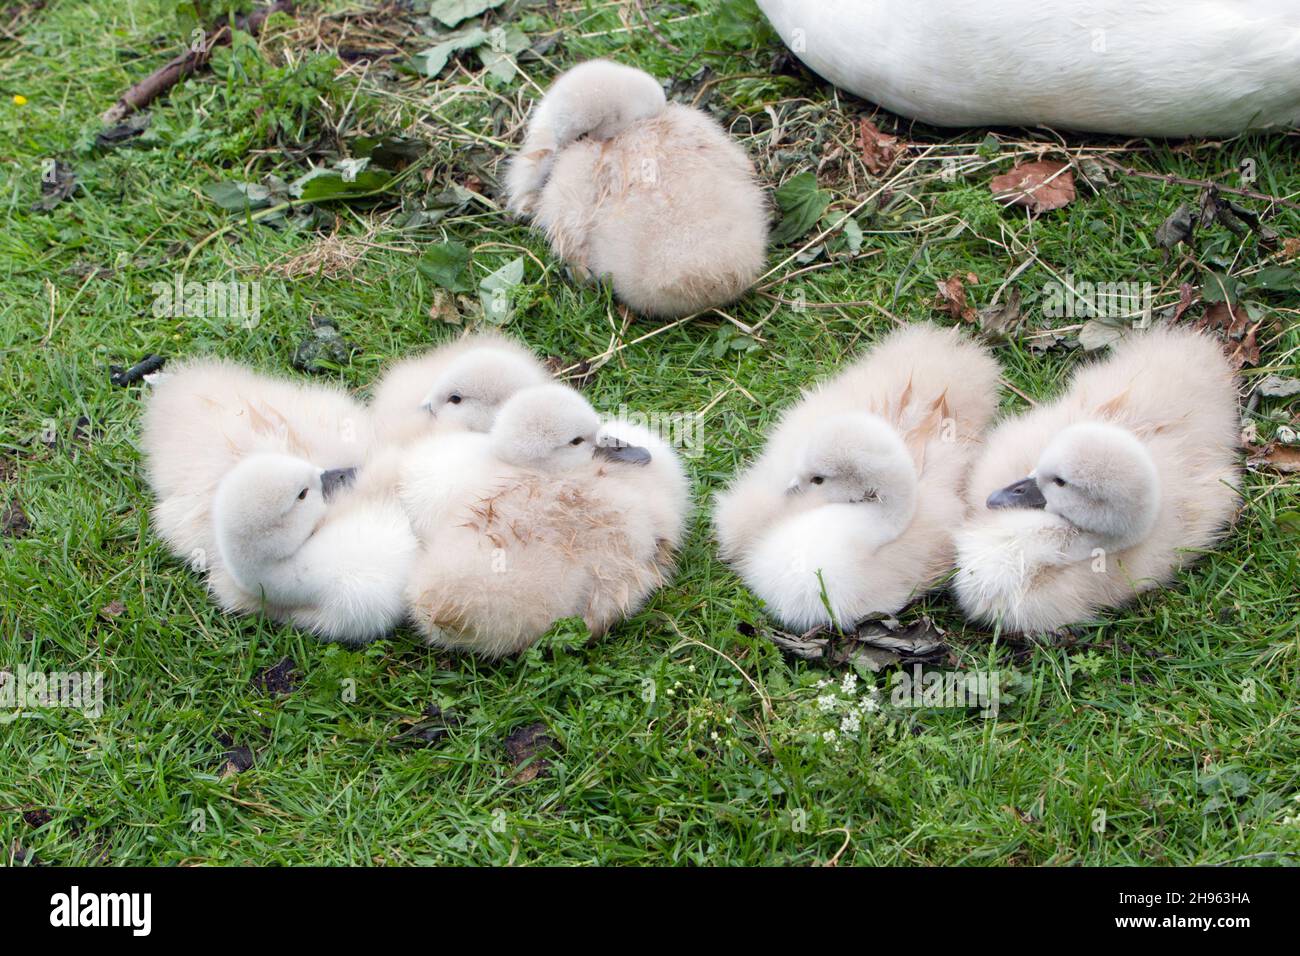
[
  {"x": 1058, "y": 481},
  {"x": 817, "y": 479},
  {"x": 576, "y": 441},
  {"x": 302, "y": 494},
  {"x": 454, "y": 398}
]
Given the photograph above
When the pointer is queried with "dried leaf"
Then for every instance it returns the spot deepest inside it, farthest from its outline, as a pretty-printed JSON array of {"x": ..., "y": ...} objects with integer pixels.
[
  {"x": 1039, "y": 186},
  {"x": 58, "y": 182},
  {"x": 879, "y": 150},
  {"x": 1276, "y": 457},
  {"x": 443, "y": 308},
  {"x": 524, "y": 746},
  {"x": 1275, "y": 386},
  {"x": 112, "y": 609},
  {"x": 874, "y": 644},
  {"x": 952, "y": 297},
  {"x": 1184, "y": 302},
  {"x": 1179, "y": 227},
  {"x": 1100, "y": 334},
  {"x": 1000, "y": 321},
  {"x": 1232, "y": 324}
]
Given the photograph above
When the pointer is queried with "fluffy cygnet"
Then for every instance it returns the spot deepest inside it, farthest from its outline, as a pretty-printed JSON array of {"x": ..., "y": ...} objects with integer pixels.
[
  {"x": 654, "y": 196},
  {"x": 556, "y": 519},
  {"x": 456, "y": 387},
  {"x": 208, "y": 415},
  {"x": 1130, "y": 475},
  {"x": 336, "y": 567},
  {"x": 851, "y": 507}
]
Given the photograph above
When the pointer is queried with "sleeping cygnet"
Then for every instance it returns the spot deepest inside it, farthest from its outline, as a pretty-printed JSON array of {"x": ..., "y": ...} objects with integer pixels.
[
  {"x": 208, "y": 415},
  {"x": 654, "y": 196},
  {"x": 1131, "y": 474},
  {"x": 456, "y": 387},
  {"x": 851, "y": 507},
  {"x": 294, "y": 543},
  {"x": 559, "y": 519}
]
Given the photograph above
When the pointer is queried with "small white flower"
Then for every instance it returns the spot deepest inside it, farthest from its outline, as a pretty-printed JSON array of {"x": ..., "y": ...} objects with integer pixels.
[
  {"x": 849, "y": 683},
  {"x": 826, "y": 703},
  {"x": 850, "y": 723},
  {"x": 868, "y": 705},
  {"x": 829, "y": 736},
  {"x": 824, "y": 683}
]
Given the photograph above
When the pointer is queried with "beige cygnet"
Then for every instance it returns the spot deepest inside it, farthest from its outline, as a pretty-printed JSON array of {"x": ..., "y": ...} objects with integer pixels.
[
  {"x": 207, "y": 415},
  {"x": 289, "y": 546},
  {"x": 1130, "y": 475},
  {"x": 455, "y": 387},
  {"x": 851, "y": 507},
  {"x": 560, "y": 519},
  {"x": 654, "y": 196}
]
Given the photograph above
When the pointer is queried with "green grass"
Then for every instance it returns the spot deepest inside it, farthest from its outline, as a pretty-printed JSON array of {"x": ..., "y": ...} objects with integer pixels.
[{"x": 1174, "y": 717}]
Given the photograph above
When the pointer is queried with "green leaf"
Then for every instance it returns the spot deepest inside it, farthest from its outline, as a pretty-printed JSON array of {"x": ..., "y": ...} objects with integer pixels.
[
  {"x": 390, "y": 152},
  {"x": 494, "y": 291},
  {"x": 1277, "y": 279},
  {"x": 850, "y": 229},
  {"x": 325, "y": 185},
  {"x": 445, "y": 264},
  {"x": 739, "y": 25},
  {"x": 1220, "y": 288},
  {"x": 430, "y": 62},
  {"x": 1288, "y": 522},
  {"x": 236, "y": 197},
  {"x": 452, "y": 12},
  {"x": 498, "y": 56},
  {"x": 801, "y": 204}
]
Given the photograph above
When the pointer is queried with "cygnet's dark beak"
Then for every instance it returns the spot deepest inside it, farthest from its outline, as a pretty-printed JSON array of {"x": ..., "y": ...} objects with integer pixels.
[
  {"x": 335, "y": 479},
  {"x": 627, "y": 454},
  {"x": 1025, "y": 493}
]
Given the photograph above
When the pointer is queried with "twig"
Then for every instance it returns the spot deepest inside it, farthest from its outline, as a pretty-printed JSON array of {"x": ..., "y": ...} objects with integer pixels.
[
  {"x": 654, "y": 31},
  {"x": 1173, "y": 180},
  {"x": 188, "y": 63}
]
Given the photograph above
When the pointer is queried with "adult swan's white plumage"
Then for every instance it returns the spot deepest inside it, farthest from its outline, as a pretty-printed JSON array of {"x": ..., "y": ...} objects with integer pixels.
[{"x": 1134, "y": 67}]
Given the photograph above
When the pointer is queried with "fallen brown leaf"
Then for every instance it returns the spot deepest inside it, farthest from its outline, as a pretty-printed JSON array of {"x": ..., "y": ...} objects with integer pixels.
[
  {"x": 1276, "y": 457},
  {"x": 112, "y": 609},
  {"x": 524, "y": 745},
  {"x": 952, "y": 297},
  {"x": 1039, "y": 186},
  {"x": 999, "y": 321},
  {"x": 1233, "y": 326},
  {"x": 1184, "y": 302},
  {"x": 879, "y": 150}
]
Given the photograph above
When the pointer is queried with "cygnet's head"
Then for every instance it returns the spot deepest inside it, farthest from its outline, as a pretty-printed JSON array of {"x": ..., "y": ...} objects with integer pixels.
[
  {"x": 857, "y": 458},
  {"x": 1098, "y": 477},
  {"x": 274, "y": 502},
  {"x": 468, "y": 395},
  {"x": 553, "y": 428}
]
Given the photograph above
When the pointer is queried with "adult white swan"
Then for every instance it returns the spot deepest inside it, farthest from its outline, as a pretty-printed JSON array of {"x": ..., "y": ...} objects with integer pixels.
[{"x": 1133, "y": 67}]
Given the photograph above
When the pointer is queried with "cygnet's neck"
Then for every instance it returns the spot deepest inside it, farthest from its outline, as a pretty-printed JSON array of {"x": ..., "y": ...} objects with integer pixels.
[
  {"x": 1063, "y": 543},
  {"x": 895, "y": 510},
  {"x": 290, "y": 579}
]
